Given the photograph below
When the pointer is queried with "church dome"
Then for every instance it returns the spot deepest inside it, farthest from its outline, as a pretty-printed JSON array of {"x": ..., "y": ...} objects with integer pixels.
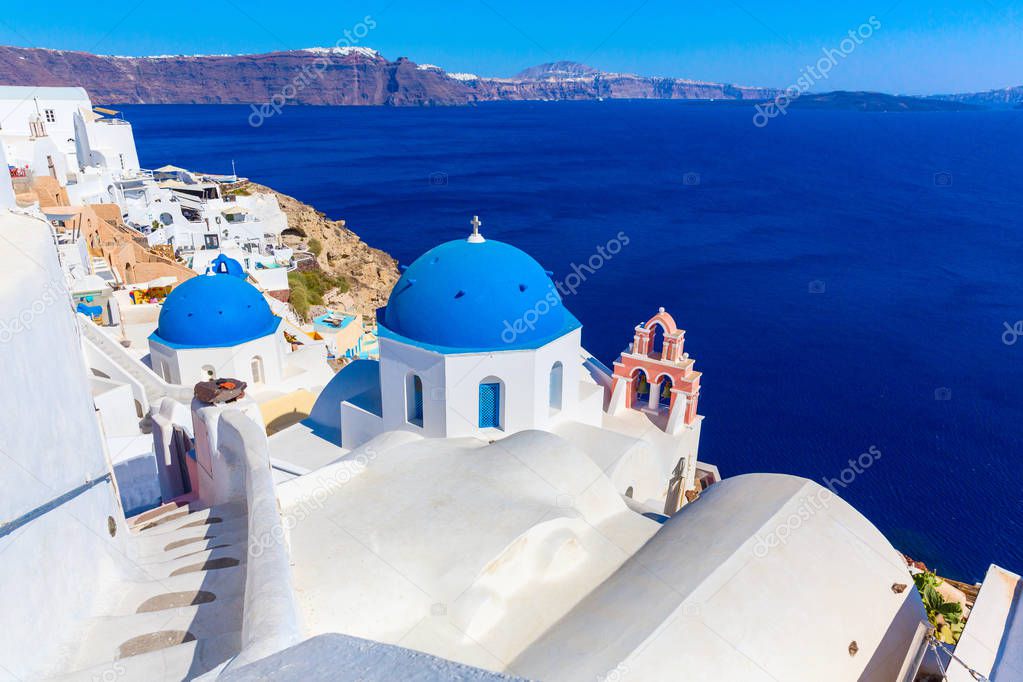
[
  {"x": 214, "y": 311},
  {"x": 475, "y": 295},
  {"x": 225, "y": 265}
]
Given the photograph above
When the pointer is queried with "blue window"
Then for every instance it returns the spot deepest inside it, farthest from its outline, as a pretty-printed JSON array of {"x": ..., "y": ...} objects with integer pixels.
[
  {"x": 490, "y": 405},
  {"x": 414, "y": 400}
]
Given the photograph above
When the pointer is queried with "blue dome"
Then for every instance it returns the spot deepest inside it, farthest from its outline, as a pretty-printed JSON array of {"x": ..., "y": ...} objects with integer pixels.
[
  {"x": 224, "y": 265},
  {"x": 465, "y": 296},
  {"x": 214, "y": 311}
]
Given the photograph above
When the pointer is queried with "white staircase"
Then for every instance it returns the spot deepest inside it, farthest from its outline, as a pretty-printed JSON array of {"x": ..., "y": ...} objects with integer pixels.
[
  {"x": 187, "y": 618},
  {"x": 153, "y": 385}
]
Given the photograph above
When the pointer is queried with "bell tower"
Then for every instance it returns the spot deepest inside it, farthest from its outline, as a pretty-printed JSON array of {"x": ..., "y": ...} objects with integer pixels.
[{"x": 655, "y": 375}]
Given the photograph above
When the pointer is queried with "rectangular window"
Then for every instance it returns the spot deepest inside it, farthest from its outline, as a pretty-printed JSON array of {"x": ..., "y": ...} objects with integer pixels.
[
  {"x": 490, "y": 406},
  {"x": 51, "y": 116}
]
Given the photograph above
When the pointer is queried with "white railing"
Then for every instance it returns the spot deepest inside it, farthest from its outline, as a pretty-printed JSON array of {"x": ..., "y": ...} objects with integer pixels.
[{"x": 153, "y": 385}]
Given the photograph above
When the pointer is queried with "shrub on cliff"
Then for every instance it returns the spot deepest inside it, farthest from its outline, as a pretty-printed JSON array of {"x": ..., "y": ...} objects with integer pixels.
[
  {"x": 308, "y": 288},
  {"x": 300, "y": 301},
  {"x": 315, "y": 247}
]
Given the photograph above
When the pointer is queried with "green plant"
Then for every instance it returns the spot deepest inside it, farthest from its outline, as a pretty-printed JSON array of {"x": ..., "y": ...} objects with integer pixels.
[
  {"x": 316, "y": 283},
  {"x": 315, "y": 246},
  {"x": 300, "y": 302},
  {"x": 945, "y": 616}
]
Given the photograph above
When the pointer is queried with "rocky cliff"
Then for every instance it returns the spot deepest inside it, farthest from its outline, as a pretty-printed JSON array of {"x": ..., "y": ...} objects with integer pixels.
[
  {"x": 371, "y": 273},
  {"x": 1006, "y": 97},
  {"x": 329, "y": 76}
]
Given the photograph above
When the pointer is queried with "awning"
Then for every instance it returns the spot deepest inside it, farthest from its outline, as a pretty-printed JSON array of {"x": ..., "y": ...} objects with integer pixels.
[
  {"x": 234, "y": 210},
  {"x": 108, "y": 112}
]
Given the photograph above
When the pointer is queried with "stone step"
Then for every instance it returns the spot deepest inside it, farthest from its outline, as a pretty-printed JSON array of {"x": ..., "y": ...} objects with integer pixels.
[
  {"x": 223, "y": 584},
  {"x": 184, "y": 518},
  {"x": 119, "y": 637},
  {"x": 181, "y": 662},
  {"x": 156, "y": 550}
]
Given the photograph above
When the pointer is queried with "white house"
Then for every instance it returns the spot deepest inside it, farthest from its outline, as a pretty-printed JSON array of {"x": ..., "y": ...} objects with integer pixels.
[{"x": 55, "y": 131}]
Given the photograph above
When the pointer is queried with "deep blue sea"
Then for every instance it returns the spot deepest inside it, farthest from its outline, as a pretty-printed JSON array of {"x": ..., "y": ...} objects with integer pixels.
[{"x": 844, "y": 278}]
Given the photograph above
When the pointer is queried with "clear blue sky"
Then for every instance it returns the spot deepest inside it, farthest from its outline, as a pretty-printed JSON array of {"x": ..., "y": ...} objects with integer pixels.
[{"x": 921, "y": 47}]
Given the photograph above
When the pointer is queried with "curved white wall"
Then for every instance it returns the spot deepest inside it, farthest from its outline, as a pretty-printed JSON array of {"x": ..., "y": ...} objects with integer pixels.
[{"x": 55, "y": 562}]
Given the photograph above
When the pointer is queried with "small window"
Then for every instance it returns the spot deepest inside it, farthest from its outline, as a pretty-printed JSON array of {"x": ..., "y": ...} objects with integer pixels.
[
  {"x": 209, "y": 373},
  {"x": 414, "y": 400},
  {"x": 257, "y": 370},
  {"x": 555, "y": 387},
  {"x": 51, "y": 116}
]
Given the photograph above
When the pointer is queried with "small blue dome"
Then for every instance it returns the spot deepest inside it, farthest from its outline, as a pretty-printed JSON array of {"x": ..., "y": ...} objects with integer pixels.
[
  {"x": 466, "y": 296},
  {"x": 214, "y": 311},
  {"x": 224, "y": 265}
]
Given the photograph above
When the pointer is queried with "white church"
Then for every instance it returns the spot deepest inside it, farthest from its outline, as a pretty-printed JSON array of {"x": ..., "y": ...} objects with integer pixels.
[{"x": 475, "y": 342}]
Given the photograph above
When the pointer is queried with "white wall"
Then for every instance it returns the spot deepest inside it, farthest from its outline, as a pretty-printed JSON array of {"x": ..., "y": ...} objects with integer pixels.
[
  {"x": 115, "y": 404},
  {"x": 111, "y": 143},
  {"x": 451, "y": 389},
  {"x": 54, "y": 565},
  {"x": 185, "y": 366},
  {"x": 19, "y": 104},
  {"x": 526, "y": 392},
  {"x": 6, "y": 186},
  {"x": 397, "y": 362},
  {"x": 37, "y": 153}
]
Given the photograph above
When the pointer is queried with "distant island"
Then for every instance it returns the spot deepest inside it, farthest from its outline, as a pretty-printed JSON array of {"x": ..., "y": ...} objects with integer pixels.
[
  {"x": 878, "y": 102},
  {"x": 355, "y": 75}
]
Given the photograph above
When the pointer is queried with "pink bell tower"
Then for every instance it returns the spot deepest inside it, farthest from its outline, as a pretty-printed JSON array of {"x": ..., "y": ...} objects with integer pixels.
[{"x": 655, "y": 376}]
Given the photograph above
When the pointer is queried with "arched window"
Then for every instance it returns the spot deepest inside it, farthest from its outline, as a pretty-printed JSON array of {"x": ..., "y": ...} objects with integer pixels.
[
  {"x": 557, "y": 372},
  {"x": 257, "y": 370},
  {"x": 664, "y": 392},
  {"x": 628, "y": 492},
  {"x": 414, "y": 400},
  {"x": 640, "y": 389},
  {"x": 491, "y": 407},
  {"x": 656, "y": 341}
]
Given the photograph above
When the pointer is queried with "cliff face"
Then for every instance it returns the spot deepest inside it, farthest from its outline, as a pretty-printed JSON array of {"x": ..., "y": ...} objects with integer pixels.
[
  {"x": 1006, "y": 97},
  {"x": 370, "y": 272},
  {"x": 345, "y": 76},
  {"x": 611, "y": 86}
]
